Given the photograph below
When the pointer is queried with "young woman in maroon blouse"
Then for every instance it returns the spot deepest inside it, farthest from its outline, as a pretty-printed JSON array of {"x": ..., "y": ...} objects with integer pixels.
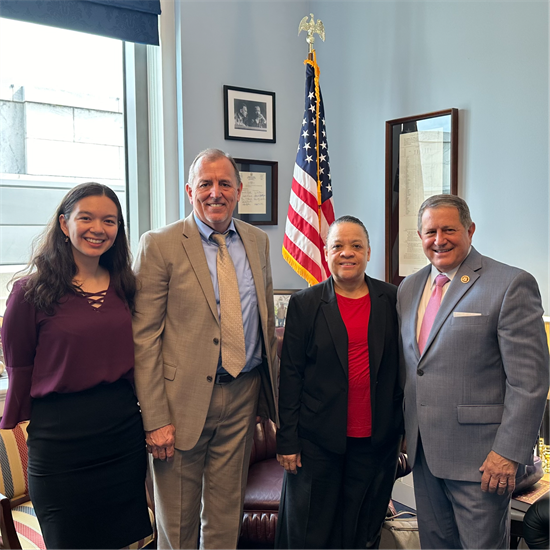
[
  {"x": 68, "y": 346},
  {"x": 340, "y": 402}
]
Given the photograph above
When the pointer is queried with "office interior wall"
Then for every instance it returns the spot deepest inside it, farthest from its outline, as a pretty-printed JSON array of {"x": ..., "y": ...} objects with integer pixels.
[
  {"x": 489, "y": 59},
  {"x": 385, "y": 60},
  {"x": 249, "y": 45}
]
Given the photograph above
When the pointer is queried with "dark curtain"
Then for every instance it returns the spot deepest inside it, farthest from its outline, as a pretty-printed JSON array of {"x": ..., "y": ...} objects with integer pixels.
[{"x": 130, "y": 20}]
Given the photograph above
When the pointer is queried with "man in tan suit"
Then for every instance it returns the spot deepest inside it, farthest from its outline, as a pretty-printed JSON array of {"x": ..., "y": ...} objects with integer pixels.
[{"x": 199, "y": 419}]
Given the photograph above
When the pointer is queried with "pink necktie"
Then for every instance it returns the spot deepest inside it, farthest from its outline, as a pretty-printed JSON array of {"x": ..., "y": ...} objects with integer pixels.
[{"x": 431, "y": 310}]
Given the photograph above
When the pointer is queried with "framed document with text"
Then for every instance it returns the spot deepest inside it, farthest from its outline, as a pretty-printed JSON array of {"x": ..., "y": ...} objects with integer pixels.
[
  {"x": 421, "y": 161},
  {"x": 258, "y": 203}
]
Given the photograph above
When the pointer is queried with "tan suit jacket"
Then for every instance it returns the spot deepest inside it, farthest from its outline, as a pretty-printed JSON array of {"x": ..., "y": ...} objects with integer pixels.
[{"x": 177, "y": 330}]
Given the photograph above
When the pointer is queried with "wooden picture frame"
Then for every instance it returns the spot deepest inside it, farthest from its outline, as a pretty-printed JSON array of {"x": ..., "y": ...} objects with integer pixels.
[
  {"x": 421, "y": 161},
  {"x": 249, "y": 115},
  {"x": 258, "y": 204}
]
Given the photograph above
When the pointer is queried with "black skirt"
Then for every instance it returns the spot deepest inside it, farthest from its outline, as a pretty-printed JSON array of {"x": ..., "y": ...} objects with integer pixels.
[{"x": 87, "y": 466}]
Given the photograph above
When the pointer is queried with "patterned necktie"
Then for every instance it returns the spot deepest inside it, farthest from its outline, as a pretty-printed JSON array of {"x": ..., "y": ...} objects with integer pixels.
[
  {"x": 431, "y": 311},
  {"x": 233, "y": 347}
]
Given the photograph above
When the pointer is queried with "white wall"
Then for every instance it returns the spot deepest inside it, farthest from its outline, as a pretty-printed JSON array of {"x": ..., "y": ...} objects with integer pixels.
[
  {"x": 249, "y": 45},
  {"x": 385, "y": 60}
]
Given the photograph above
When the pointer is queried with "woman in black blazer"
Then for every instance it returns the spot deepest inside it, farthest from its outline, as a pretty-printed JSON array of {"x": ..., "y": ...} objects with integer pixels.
[{"x": 340, "y": 402}]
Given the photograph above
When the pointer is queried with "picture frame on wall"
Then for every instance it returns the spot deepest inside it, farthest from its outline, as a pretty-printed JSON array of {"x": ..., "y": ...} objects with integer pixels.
[
  {"x": 421, "y": 161},
  {"x": 280, "y": 301},
  {"x": 249, "y": 115},
  {"x": 258, "y": 204}
]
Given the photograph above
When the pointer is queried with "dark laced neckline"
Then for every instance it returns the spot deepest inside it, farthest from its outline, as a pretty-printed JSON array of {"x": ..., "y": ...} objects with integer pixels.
[{"x": 95, "y": 299}]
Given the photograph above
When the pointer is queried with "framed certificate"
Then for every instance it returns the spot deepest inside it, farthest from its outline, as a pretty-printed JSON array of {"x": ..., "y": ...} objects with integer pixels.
[
  {"x": 258, "y": 203},
  {"x": 421, "y": 161}
]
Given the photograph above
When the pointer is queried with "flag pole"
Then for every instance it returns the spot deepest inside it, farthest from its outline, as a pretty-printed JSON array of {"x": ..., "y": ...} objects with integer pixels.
[
  {"x": 312, "y": 27},
  {"x": 311, "y": 208}
]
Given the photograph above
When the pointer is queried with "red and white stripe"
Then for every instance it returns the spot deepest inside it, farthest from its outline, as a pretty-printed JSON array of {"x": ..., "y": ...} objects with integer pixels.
[{"x": 306, "y": 229}]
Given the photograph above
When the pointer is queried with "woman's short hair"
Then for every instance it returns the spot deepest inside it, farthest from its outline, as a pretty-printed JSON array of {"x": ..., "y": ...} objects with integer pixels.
[{"x": 348, "y": 219}]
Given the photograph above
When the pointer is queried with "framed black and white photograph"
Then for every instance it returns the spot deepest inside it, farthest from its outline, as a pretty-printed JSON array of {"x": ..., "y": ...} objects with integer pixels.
[
  {"x": 249, "y": 114},
  {"x": 258, "y": 202}
]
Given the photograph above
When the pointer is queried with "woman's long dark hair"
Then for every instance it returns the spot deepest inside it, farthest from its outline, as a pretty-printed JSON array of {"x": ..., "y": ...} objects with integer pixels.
[{"x": 52, "y": 267}]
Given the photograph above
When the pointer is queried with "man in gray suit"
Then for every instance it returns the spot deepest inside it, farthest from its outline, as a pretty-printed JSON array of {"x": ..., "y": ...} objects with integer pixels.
[
  {"x": 199, "y": 406},
  {"x": 476, "y": 381}
]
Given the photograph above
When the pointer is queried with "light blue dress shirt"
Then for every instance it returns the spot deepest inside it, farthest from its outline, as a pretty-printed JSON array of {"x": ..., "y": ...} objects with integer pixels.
[{"x": 247, "y": 290}]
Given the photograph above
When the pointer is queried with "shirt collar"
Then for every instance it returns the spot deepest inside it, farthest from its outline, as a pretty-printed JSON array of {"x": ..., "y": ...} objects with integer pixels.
[{"x": 206, "y": 231}]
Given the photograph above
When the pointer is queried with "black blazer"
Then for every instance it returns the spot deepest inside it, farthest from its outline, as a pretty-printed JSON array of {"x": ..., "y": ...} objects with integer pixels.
[{"x": 313, "y": 390}]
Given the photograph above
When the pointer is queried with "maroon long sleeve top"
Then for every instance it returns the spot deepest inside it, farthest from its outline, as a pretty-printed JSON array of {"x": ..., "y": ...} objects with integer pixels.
[{"x": 76, "y": 348}]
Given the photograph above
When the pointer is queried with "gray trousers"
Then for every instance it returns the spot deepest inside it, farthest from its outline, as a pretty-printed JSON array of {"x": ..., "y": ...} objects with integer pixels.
[{"x": 458, "y": 514}]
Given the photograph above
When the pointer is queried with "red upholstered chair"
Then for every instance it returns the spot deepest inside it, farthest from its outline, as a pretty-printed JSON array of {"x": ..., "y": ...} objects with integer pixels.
[
  {"x": 19, "y": 527},
  {"x": 263, "y": 490},
  {"x": 265, "y": 479},
  {"x": 280, "y": 333}
]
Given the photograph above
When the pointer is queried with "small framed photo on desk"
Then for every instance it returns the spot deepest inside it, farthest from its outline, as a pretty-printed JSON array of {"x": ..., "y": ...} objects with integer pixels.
[{"x": 281, "y": 299}]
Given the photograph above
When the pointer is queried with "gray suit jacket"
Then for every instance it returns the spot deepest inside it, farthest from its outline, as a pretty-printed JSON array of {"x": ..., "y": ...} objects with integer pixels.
[
  {"x": 482, "y": 381},
  {"x": 177, "y": 330}
]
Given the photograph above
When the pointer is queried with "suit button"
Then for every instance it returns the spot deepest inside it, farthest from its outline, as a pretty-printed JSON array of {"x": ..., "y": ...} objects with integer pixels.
[
  {"x": 216, "y": 341},
  {"x": 209, "y": 378},
  {"x": 420, "y": 372}
]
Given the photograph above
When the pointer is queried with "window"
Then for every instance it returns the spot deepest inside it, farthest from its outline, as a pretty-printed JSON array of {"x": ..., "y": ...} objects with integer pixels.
[{"x": 62, "y": 122}]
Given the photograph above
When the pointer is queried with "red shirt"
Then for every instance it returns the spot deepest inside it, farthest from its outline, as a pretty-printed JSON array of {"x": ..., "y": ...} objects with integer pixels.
[{"x": 355, "y": 313}]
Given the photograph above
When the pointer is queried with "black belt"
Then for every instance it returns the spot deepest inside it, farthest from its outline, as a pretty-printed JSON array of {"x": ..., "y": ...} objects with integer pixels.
[{"x": 226, "y": 378}]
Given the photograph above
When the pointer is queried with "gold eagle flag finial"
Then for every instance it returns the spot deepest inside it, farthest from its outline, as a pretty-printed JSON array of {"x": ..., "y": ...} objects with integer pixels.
[{"x": 312, "y": 27}]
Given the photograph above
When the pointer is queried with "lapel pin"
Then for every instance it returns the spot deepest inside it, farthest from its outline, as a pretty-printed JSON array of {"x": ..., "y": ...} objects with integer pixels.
[{"x": 464, "y": 279}]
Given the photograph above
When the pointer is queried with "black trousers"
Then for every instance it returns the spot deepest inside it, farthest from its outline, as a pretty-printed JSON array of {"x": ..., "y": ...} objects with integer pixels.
[{"x": 337, "y": 501}]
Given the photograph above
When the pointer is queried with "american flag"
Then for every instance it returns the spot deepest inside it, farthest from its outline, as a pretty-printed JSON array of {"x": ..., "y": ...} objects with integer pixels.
[{"x": 311, "y": 209}]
